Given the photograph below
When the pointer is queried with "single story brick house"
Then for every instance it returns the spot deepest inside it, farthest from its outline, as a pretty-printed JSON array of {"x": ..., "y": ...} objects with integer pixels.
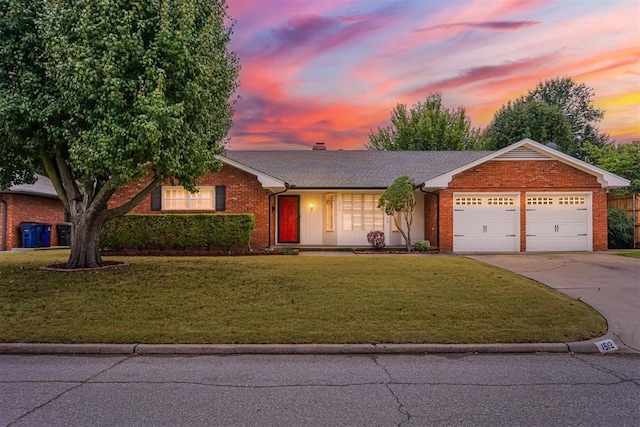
[
  {"x": 525, "y": 197},
  {"x": 36, "y": 202}
]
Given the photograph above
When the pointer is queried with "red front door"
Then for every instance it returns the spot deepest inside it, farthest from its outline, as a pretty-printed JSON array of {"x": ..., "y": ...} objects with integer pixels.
[{"x": 288, "y": 215}]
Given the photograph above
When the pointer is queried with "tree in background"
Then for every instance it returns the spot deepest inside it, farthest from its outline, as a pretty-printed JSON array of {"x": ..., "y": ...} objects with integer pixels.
[
  {"x": 623, "y": 160},
  {"x": 436, "y": 127},
  {"x": 399, "y": 200},
  {"x": 103, "y": 92},
  {"x": 529, "y": 119},
  {"x": 562, "y": 95},
  {"x": 576, "y": 102}
]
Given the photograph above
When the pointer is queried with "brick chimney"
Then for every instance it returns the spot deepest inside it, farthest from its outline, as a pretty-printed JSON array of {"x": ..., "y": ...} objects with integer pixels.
[{"x": 319, "y": 147}]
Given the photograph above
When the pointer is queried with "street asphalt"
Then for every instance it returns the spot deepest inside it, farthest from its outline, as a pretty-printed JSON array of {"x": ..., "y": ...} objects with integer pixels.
[{"x": 608, "y": 282}]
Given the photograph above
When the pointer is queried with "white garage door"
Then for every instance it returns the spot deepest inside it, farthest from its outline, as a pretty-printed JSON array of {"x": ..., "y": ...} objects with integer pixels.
[
  {"x": 558, "y": 222},
  {"x": 486, "y": 223}
]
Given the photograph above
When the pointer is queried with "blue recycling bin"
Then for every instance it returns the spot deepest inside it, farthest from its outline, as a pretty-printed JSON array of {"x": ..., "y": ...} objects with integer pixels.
[
  {"x": 30, "y": 234},
  {"x": 45, "y": 235}
]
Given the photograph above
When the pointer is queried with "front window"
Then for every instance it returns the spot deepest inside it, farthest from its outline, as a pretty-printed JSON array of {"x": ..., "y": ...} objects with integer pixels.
[
  {"x": 329, "y": 212},
  {"x": 179, "y": 199},
  {"x": 361, "y": 212}
]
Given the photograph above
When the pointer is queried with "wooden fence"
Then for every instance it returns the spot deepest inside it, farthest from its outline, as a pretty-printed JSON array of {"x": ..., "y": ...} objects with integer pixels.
[{"x": 629, "y": 203}]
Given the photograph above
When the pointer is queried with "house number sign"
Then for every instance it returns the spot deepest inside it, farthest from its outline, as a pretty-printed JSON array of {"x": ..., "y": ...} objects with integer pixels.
[{"x": 606, "y": 346}]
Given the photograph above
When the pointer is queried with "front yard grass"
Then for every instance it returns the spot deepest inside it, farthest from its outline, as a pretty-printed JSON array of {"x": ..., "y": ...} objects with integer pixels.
[
  {"x": 284, "y": 299},
  {"x": 633, "y": 253}
]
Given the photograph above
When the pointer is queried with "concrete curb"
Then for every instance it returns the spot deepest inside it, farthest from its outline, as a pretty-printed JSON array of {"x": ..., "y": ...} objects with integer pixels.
[
  {"x": 97, "y": 349},
  {"x": 588, "y": 346},
  {"x": 327, "y": 349}
]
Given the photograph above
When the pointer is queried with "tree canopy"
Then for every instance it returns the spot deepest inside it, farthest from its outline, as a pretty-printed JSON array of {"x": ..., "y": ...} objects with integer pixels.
[
  {"x": 576, "y": 102},
  {"x": 530, "y": 119},
  {"x": 399, "y": 200},
  {"x": 623, "y": 160},
  {"x": 557, "y": 110},
  {"x": 436, "y": 127},
  {"x": 102, "y": 92}
]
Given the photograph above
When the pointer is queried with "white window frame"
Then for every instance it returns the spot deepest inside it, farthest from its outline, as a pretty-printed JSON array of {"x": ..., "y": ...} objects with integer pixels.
[
  {"x": 329, "y": 203},
  {"x": 376, "y": 215},
  {"x": 190, "y": 199}
]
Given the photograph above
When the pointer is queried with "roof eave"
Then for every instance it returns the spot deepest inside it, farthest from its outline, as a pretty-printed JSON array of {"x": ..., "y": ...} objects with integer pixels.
[
  {"x": 268, "y": 182},
  {"x": 606, "y": 179}
]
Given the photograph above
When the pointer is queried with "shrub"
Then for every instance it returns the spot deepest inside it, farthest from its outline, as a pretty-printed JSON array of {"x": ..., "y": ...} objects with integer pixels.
[
  {"x": 376, "y": 239},
  {"x": 201, "y": 231},
  {"x": 422, "y": 245},
  {"x": 620, "y": 229}
]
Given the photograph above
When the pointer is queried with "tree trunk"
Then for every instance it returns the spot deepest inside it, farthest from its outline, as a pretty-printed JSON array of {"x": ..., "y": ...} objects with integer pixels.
[{"x": 85, "y": 238}]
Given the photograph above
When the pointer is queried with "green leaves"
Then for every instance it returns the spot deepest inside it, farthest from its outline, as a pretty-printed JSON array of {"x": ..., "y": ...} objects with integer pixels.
[
  {"x": 102, "y": 92},
  {"x": 530, "y": 119},
  {"x": 557, "y": 110},
  {"x": 436, "y": 127},
  {"x": 398, "y": 197},
  {"x": 117, "y": 84},
  {"x": 623, "y": 160}
]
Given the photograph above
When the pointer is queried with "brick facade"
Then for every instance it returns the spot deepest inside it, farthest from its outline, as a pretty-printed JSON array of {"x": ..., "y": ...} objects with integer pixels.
[
  {"x": 244, "y": 194},
  {"x": 523, "y": 176},
  {"x": 26, "y": 208}
]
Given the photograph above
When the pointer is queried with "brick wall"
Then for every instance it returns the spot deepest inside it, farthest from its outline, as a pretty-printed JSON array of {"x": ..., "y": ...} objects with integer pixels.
[
  {"x": 431, "y": 218},
  {"x": 244, "y": 194},
  {"x": 24, "y": 208},
  {"x": 522, "y": 177}
]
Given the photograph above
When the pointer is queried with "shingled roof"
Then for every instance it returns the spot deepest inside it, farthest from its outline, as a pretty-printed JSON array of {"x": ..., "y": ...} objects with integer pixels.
[
  {"x": 352, "y": 169},
  {"x": 42, "y": 187}
]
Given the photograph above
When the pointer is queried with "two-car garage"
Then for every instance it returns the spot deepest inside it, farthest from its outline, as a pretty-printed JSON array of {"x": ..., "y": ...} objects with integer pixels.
[{"x": 492, "y": 222}]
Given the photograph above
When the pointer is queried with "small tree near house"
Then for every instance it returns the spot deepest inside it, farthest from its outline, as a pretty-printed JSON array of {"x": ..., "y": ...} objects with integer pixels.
[{"x": 398, "y": 200}]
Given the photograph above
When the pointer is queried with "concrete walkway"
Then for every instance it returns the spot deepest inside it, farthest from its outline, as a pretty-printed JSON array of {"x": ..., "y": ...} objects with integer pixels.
[{"x": 608, "y": 282}]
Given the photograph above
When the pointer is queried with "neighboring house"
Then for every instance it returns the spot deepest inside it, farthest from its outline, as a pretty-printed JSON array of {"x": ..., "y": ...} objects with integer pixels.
[
  {"x": 525, "y": 197},
  {"x": 36, "y": 202}
]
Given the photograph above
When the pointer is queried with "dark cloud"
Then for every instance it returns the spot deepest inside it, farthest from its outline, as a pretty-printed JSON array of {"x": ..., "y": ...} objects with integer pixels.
[
  {"x": 484, "y": 73},
  {"x": 490, "y": 25},
  {"x": 305, "y": 30}
]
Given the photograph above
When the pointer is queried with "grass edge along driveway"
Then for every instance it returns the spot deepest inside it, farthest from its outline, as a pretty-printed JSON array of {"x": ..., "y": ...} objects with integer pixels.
[{"x": 284, "y": 299}]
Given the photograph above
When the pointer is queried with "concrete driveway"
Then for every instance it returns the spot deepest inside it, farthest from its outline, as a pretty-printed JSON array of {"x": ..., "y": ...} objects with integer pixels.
[{"x": 610, "y": 283}]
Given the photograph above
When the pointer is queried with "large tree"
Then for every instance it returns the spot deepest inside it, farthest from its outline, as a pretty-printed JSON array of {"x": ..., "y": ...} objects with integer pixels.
[
  {"x": 576, "y": 102},
  {"x": 103, "y": 92},
  {"x": 530, "y": 119},
  {"x": 623, "y": 160},
  {"x": 436, "y": 128}
]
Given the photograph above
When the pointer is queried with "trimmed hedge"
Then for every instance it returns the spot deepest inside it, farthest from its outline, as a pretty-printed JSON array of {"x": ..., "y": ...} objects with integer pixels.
[{"x": 165, "y": 232}]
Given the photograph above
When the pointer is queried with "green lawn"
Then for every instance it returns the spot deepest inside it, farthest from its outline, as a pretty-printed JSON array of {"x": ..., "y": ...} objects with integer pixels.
[
  {"x": 633, "y": 253},
  {"x": 284, "y": 299}
]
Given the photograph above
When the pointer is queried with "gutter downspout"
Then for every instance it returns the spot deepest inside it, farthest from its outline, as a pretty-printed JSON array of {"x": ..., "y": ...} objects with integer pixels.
[
  {"x": 286, "y": 188},
  {"x": 437, "y": 213},
  {"x": 3, "y": 247}
]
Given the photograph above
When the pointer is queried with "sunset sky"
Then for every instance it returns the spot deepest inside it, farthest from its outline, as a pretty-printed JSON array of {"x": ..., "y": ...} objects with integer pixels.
[{"x": 332, "y": 70}]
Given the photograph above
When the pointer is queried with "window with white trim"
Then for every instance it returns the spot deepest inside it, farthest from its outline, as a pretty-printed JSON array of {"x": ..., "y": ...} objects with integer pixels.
[
  {"x": 361, "y": 212},
  {"x": 179, "y": 199},
  {"x": 539, "y": 200},
  {"x": 328, "y": 204},
  {"x": 572, "y": 200},
  {"x": 468, "y": 201},
  {"x": 501, "y": 201}
]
